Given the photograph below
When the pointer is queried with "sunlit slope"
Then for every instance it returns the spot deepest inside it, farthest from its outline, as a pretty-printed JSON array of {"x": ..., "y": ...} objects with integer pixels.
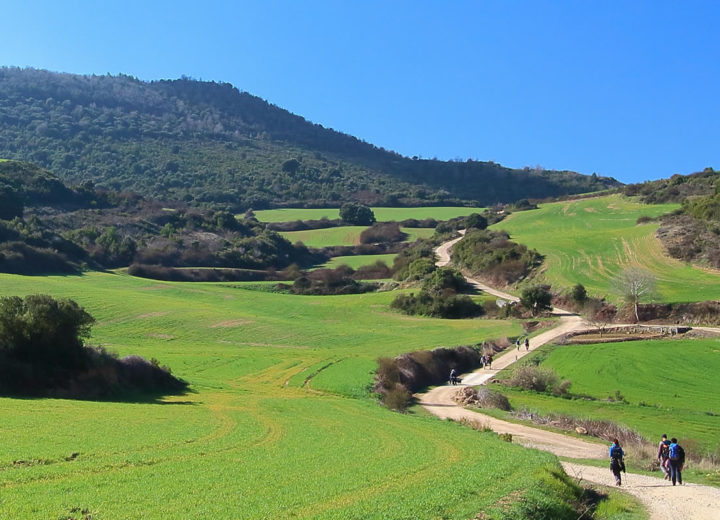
[
  {"x": 270, "y": 429},
  {"x": 669, "y": 386},
  {"x": 590, "y": 241}
]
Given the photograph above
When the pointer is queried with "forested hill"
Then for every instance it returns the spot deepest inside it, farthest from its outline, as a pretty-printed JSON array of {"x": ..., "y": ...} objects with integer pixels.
[{"x": 206, "y": 142}]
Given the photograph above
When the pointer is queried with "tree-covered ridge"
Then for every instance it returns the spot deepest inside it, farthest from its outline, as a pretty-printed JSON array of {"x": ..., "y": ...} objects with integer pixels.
[{"x": 206, "y": 142}]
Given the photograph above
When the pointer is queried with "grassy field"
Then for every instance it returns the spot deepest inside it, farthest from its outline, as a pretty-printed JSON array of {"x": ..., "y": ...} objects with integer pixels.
[
  {"x": 669, "y": 386},
  {"x": 280, "y": 421},
  {"x": 344, "y": 235},
  {"x": 359, "y": 260},
  {"x": 590, "y": 241},
  {"x": 381, "y": 214}
]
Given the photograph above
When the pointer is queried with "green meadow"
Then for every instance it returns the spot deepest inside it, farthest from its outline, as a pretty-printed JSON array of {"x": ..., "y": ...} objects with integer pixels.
[
  {"x": 589, "y": 241},
  {"x": 381, "y": 214},
  {"x": 280, "y": 420},
  {"x": 344, "y": 235},
  {"x": 670, "y": 386},
  {"x": 359, "y": 260}
]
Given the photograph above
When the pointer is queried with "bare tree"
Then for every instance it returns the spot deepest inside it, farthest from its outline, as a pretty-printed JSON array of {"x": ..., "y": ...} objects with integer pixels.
[{"x": 636, "y": 284}]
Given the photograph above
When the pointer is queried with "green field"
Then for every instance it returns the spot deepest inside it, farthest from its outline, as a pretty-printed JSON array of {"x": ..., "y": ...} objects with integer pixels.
[
  {"x": 344, "y": 235},
  {"x": 589, "y": 241},
  {"x": 279, "y": 422},
  {"x": 381, "y": 214},
  {"x": 670, "y": 387},
  {"x": 359, "y": 260}
]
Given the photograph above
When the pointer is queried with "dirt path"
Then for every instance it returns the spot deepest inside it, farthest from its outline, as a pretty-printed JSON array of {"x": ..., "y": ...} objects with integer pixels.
[{"x": 663, "y": 501}]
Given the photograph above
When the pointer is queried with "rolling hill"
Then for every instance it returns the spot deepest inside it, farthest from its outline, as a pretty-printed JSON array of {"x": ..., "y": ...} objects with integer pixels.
[{"x": 210, "y": 143}]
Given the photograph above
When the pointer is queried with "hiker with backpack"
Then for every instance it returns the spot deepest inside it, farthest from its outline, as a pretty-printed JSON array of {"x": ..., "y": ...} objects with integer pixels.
[
  {"x": 527, "y": 344},
  {"x": 454, "y": 379},
  {"x": 664, "y": 456},
  {"x": 617, "y": 461},
  {"x": 677, "y": 461}
]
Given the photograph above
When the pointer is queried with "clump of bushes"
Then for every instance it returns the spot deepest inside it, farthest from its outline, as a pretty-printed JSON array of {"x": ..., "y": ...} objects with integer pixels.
[
  {"x": 439, "y": 297},
  {"x": 482, "y": 397},
  {"x": 492, "y": 256},
  {"x": 331, "y": 281},
  {"x": 382, "y": 232},
  {"x": 42, "y": 353},
  {"x": 397, "y": 378},
  {"x": 538, "y": 379}
]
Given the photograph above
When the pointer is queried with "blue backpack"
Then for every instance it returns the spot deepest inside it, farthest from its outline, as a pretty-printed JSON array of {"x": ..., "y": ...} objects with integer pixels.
[
  {"x": 616, "y": 452},
  {"x": 676, "y": 452}
]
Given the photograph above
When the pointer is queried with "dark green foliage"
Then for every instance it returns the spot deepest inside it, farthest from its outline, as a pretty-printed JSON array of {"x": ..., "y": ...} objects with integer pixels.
[
  {"x": 43, "y": 330},
  {"x": 405, "y": 266},
  {"x": 356, "y": 214},
  {"x": 450, "y": 306},
  {"x": 536, "y": 299},
  {"x": 677, "y": 188},
  {"x": 491, "y": 255},
  {"x": 206, "y": 142},
  {"x": 42, "y": 352},
  {"x": 382, "y": 232},
  {"x": 444, "y": 280},
  {"x": 579, "y": 293},
  {"x": 11, "y": 204},
  {"x": 476, "y": 221}
]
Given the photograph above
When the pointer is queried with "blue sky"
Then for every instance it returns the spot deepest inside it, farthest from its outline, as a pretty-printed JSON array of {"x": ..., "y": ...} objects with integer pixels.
[{"x": 622, "y": 88}]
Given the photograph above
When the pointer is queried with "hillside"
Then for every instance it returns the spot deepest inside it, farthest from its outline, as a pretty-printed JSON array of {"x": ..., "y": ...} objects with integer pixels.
[{"x": 206, "y": 142}]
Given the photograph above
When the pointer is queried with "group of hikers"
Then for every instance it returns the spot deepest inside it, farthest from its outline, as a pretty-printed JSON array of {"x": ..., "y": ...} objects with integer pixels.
[
  {"x": 671, "y": 457},
  {"x": 519, "y": 343},
  {"x": 485, "y": 361}
]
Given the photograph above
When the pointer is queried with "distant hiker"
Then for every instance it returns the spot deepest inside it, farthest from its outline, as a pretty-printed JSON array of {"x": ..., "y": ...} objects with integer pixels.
[
  {"x": 677, "y": 460},
  {"x": 664, "y": 456},
  {"x": 527, "y": 344},
  {"x": 517, "y": 343},
  {"x": 483, "y": 361},
  {"x": 617, "y": 462},
  {"x": 488, "y": 360},
  {"x": 454, "y": 377}
]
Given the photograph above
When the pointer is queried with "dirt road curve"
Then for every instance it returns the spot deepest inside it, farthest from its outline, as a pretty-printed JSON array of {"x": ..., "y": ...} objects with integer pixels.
[{"x": 663, "y": 501}]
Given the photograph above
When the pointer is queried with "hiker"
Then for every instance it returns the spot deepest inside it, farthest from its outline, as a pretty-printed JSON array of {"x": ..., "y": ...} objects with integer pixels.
[
  {"x": 527, "y": 344},
  {"x": 483, "y": 361},
  {"x": 488, "y": 359},
  {"x": 677, "y": 460},
  {"x": 664, "y": 456},
  {"x": 453, "y": 377},
  {"x": 617, "y": 462},
  {"x": 517, "y": 343}
]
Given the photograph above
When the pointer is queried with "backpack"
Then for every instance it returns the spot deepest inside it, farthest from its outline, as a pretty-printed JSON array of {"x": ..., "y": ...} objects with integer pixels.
[
  {"x": 616, "y": 452},
  {"x": 676, "y": 452}
]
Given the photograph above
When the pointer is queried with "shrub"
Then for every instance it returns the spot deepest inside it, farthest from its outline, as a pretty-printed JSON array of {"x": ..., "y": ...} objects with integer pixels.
[
  {"x": 42, "y": 353},
  {"x": 537, "y": 379},
  {"x": 382, "y": 232},
  {"x": 356, "y": 214},
  {"x": 536, "y": 299}
]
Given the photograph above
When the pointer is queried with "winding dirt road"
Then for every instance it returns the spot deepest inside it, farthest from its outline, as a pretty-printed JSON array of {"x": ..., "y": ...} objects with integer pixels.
[{"x": 662, "y": 500}]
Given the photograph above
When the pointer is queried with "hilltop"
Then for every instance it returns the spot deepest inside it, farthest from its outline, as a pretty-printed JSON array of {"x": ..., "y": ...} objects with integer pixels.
[{"x": 210, "y": 143}]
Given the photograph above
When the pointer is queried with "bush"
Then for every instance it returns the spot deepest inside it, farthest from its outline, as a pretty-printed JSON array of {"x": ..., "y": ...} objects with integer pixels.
[
  {"x": 440, "y": 306},
  {"x": 537, "y": 379},
  {"x": 356, "y": 214},
  {"x": 382, "y": 232},
  {"x": 42, "y": 353},
  {"x": 536, "y": 299}
]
